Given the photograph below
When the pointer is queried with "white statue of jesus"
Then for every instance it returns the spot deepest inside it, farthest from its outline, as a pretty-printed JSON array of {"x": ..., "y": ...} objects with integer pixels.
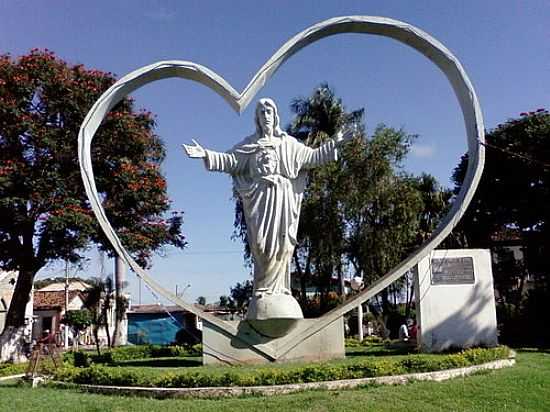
[{"x": 269, "y": 174}]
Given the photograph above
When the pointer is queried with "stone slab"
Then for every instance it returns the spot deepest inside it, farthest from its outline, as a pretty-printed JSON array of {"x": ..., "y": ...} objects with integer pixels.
[
  {"x": 220, "y": 347},
  {"x": 455, "y": 300}
]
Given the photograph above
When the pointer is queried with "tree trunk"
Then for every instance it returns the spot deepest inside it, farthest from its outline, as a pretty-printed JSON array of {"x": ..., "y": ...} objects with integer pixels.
[
  {"x": 12, "y": 344},
  {"x": 410, "y": 296},
  {"x": 106, "y": 326},
  {"x": 307, "y": 275},
  {"x": 300, "y": 275},
  {"x": 341, "y": 283},
  {"x": 385, "y": 302},
  {"x": 12, "y": 341},
  {"x": 119, "y": 335},
  {"x": 96, "y": 337}
]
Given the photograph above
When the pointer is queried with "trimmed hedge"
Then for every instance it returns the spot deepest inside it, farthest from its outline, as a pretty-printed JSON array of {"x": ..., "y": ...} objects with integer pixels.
[
  {"x": 127, "y": 353},
  {"x": 8, "y": 369},
  {"x": 239, "y": 376},
  {"x": 368, "y": 341}
]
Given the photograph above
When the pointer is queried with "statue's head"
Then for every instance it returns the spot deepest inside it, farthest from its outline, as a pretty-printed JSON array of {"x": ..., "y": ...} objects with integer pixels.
[{"x": 267, "y": 117}]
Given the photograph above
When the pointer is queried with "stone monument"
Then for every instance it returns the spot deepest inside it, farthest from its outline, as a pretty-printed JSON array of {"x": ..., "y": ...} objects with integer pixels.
[{"x": 455, "y": 300}]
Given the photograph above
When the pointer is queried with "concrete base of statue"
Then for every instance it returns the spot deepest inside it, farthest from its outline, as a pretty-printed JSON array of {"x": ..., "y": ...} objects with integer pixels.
[
  {"x": 273, "y": 315},
  {"x": 220, "y": 347}
]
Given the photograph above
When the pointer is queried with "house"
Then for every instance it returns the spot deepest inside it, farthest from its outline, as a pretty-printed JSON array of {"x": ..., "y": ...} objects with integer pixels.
[
  {"x": 49, "y": 309},
  {"x": 74, "y": 284},
  {"x": 7, "y": 286}
]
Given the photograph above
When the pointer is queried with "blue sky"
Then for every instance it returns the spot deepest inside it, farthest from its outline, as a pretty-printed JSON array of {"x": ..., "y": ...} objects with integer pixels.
[{"x": 504, "y": 47}]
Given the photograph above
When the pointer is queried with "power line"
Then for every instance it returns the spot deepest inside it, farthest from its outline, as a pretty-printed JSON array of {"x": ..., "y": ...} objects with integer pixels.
[
  {"x": 214, "y": 252},
  {"x": 544, "y": 165}
]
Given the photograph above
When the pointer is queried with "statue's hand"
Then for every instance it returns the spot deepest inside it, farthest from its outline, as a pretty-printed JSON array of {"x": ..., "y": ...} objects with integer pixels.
[
  {"x": 346, "y": 134},
  {"x": 195, "y": 151}
]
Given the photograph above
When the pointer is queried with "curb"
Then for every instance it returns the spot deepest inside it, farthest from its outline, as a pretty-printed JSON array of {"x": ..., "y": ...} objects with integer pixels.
[
  {"x": 268, "y": 390},
  {"x": 8, "y": 378}
]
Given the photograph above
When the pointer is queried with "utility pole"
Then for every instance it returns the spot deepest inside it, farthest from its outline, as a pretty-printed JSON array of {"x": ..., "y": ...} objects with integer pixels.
[
  {"x": 357, "y": 284},
  {"x": 360, "y": 321},
  {"x": 180, "y": 294},
  {"x": 120, "y": 281},
  {"x": 66, "y": 327}
]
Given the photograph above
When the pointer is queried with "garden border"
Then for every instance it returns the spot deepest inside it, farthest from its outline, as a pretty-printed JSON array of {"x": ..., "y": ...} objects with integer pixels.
[
  {"x": 268, "y": 390},
  {"x": 11, "y": 377}
]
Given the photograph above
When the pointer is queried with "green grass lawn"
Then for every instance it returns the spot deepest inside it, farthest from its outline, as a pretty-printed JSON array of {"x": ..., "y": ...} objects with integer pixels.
[{"x": 525, "y": 387}]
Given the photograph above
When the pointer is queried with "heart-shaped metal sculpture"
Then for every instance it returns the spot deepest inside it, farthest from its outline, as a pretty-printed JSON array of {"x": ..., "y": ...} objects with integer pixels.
[{"x": 403, "y": 32}]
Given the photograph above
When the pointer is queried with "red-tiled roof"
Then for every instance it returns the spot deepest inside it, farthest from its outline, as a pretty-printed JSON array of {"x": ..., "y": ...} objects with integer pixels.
[
  {"x": 153, "y": 308},
  {"x": 52, "y": 299}
]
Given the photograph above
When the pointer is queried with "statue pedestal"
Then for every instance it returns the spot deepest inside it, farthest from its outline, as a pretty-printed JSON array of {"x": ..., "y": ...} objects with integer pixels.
[{"x": 219, "y": 347}]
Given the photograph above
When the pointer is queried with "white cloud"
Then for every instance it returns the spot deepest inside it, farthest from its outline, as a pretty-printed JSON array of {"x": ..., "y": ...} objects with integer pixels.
[
  {"x": 160, "y": 14},
  {"x": 423, "y": 151}
]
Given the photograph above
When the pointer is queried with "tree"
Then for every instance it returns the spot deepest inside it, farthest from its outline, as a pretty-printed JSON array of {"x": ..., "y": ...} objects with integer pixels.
[
  {"x": 78, "y": 320},
  {"x": 99, "y": 300},
  {"x": 201, "y": 300},
  {"x": 241, "y": 294},
  {"x": 383, "y": 207},
  {"x": 44, "y": 212},
  {"x": 321, "y": 231},
  {"x": 510, "y": 207},
  {"x": 362, "y": 211}
]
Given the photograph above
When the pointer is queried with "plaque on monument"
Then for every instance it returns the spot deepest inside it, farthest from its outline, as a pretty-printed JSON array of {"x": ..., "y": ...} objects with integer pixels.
[{"x": 452, "y": 271}]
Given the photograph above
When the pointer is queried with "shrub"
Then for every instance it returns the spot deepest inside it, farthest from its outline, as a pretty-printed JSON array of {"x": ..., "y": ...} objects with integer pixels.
[
  {"x": 7, "y": 369},
  {"x": 128, "y": 353},
  {"x": 368, "y": 341},
  {"x": 239, "y": 376}
]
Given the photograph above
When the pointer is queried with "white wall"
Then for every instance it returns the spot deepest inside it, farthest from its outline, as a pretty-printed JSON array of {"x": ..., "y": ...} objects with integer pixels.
[
  {"x": 456, "y": 315},
  {"x": 7, "y": 287}
]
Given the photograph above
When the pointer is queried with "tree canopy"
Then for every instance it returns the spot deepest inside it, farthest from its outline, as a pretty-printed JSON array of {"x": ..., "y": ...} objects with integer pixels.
[
  {"x": 44, "y": 212},
  {"x": 510, "y": 209}
]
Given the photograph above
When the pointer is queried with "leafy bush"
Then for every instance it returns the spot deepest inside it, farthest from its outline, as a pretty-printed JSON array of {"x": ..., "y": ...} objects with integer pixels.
[
  {"x": 128, "y": 353},
  {"x": 238, "y": 376},
  {"x": 368, "y": 341},
  {"x": 8, "y": 369}
]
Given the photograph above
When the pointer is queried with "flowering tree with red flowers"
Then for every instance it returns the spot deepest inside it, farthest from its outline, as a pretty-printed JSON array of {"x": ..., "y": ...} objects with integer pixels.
[{"x": 44, "y": 212}]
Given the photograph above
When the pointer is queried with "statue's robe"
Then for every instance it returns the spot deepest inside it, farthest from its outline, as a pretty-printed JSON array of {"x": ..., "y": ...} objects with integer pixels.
[{"x": 269, "y": 177}]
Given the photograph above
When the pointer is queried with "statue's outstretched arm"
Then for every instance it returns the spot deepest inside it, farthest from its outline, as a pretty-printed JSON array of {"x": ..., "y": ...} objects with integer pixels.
[
  {"x": 214, "y": 161},
  {"x": 328, "y": 151},
  {"x": 195, "y": 151},
  {"x": 344, "y": 135}
]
